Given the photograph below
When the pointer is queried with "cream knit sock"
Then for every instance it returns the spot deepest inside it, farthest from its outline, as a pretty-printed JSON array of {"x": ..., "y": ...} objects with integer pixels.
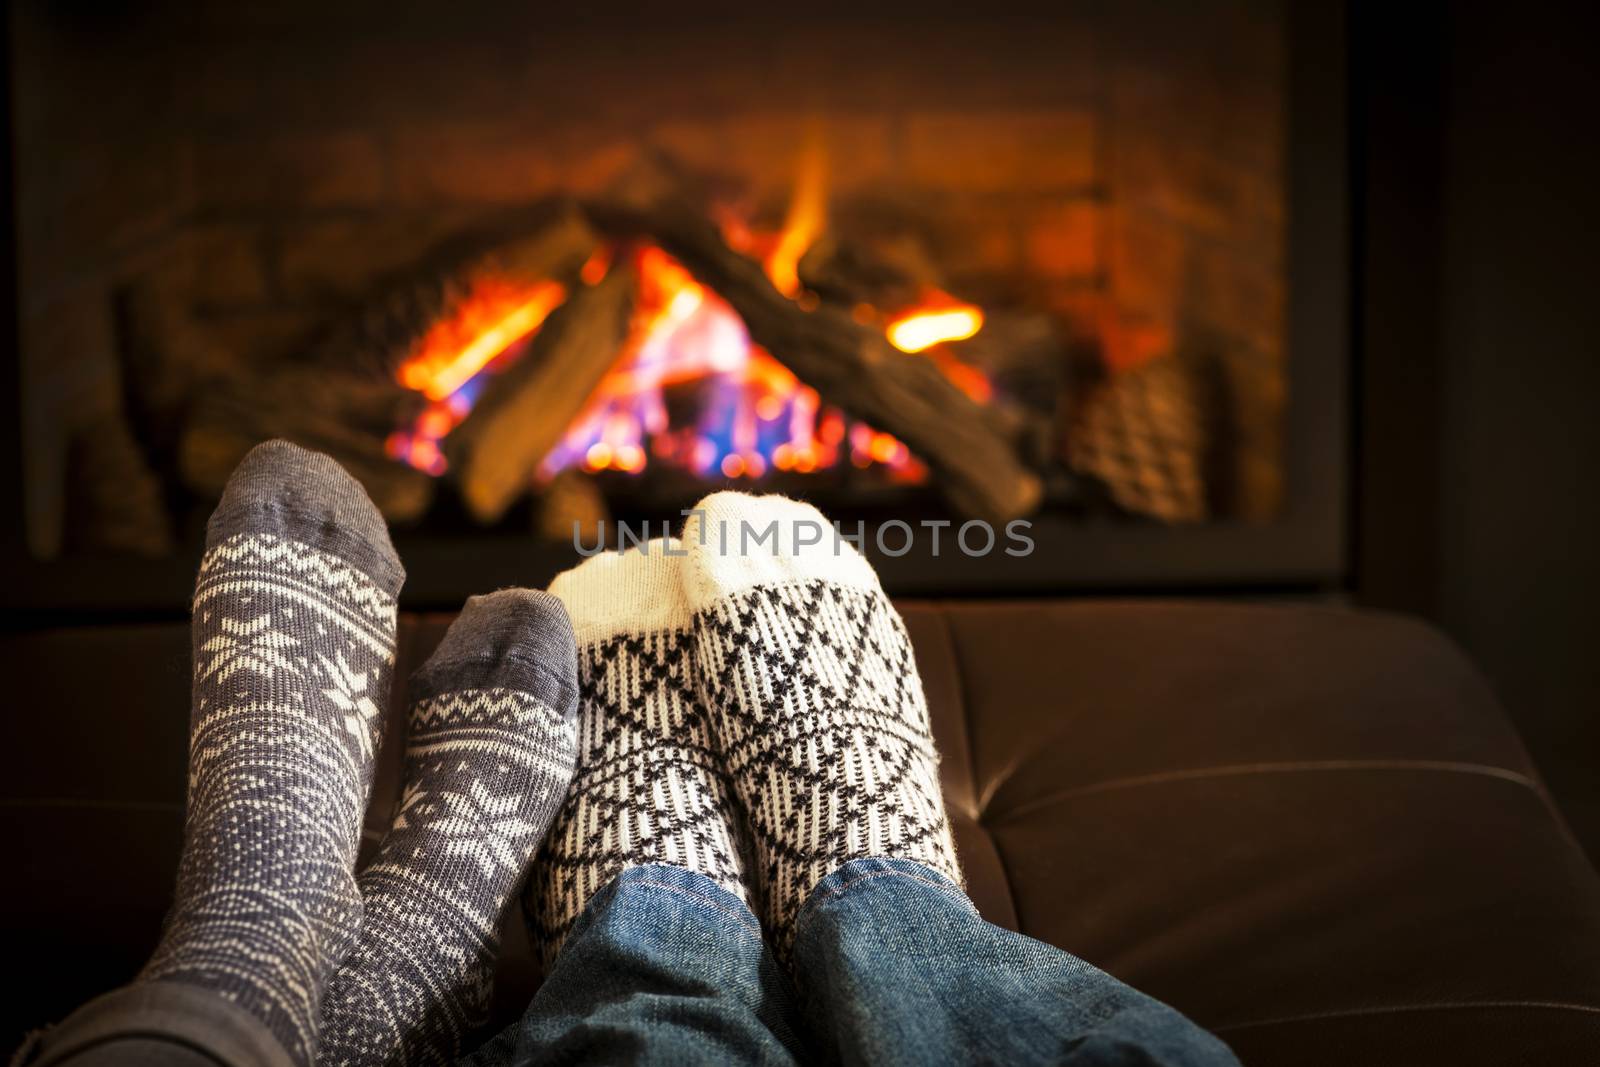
[
  {"x": 648, "y": 788},
  {"x": 815, "y": 699}
]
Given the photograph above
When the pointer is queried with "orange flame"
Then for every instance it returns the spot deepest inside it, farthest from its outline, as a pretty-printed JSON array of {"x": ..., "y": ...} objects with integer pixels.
[
  {"x": 808, "y": 214},
  {"x": 920, "y": 330},
  {"x": 494, "y": 318}
]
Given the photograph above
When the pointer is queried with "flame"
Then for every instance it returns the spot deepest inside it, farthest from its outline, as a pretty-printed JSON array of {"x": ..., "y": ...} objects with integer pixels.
[
  {"x": 808, "y": 214},
  {"x": 917, "y": 331},
  {"x": 491, "y": 320},
  {"x": 449, "y": 362},
  {"x": 753, "y": 414},
  {"x": 686, "y": 337}
]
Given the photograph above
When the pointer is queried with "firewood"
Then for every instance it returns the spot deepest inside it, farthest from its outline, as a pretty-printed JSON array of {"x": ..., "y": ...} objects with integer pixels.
[
  {"x": 551, "y": 241},
  {"x": 1025, "y": 357},
  {"x": 196, "y": 408},
  {"x": 846, "y": 272},
  {"x": 525, "y": 410},
  {"x": 968, "y": 446},
  {"x": 347, "y": 416},
  {"x": 341, "y": 394},
  {"x": 570, "y": 506},
  {"x": 114, "y": 502}
]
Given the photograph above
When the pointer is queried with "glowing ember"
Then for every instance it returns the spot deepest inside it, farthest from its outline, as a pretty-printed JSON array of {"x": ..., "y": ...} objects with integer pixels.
[{"x": 921, "y": 330}]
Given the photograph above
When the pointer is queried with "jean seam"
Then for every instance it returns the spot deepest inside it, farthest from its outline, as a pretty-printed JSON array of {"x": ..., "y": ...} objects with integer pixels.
[
  {"x": 834, "y": 891},
  {"x": 703, "y": 899}
]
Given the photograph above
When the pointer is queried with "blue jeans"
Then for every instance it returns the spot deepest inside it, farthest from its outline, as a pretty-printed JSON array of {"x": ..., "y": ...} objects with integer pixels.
[{"x": 892, "y": 965}]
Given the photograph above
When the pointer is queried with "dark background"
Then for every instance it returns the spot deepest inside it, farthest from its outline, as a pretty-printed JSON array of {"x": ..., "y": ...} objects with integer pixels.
[{"x": 1476, "y": 364}]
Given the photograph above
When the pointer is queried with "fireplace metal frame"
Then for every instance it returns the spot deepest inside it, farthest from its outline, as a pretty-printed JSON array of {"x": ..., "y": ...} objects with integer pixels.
[{"x": 1305, "y": 550}]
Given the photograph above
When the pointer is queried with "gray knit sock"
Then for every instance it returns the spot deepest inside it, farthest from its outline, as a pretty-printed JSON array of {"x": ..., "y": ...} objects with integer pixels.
[
  {"x": 294, "y": 635},
  {"x": 493, "y": 732}
]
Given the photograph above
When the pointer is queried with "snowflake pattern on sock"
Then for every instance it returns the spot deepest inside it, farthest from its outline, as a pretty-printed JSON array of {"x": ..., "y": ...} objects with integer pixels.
[
  {"x": 291, "y": 645},
  {"x": 485, "y": 771}
]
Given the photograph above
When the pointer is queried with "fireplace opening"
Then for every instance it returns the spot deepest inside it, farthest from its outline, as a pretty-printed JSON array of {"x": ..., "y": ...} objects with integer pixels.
[{"x": 524, "y": 273}]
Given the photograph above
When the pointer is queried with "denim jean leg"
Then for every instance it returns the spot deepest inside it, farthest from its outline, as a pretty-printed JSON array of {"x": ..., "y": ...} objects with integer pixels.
[
  {"x": 895, "y": 966},
  {"x": 663, "y": 966}
]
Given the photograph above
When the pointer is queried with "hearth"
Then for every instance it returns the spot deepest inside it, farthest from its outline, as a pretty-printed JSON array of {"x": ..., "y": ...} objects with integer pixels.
[{"x": 946, "y": 269}]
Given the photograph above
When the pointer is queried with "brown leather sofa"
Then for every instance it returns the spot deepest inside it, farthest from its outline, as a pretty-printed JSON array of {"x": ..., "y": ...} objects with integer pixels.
[{"x": 1311, "y": 829}]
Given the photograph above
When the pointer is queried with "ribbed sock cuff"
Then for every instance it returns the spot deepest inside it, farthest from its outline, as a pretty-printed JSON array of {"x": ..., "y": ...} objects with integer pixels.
[{"x": 637, "y": 591}]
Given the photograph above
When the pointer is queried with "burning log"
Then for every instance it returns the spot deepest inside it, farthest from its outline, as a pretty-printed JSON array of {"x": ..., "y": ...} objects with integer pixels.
[
  {"x": 1025, "y": 356},
  {"x": 846, "y": 272},
  {"x": 969, "y": 446},
  {"x": 549, "y": 242},
  {"x": 343, "y": 394},
  {"x": 526, "y": 409}
]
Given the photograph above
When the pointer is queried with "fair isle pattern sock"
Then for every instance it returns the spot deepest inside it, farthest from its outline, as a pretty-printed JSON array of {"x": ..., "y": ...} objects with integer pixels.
[
  {"x": 648, "y": 787},
  {"x": 294, "y": 635},
  {"x": 488, "y": 762},
  {"x": 815, "y": 697}
]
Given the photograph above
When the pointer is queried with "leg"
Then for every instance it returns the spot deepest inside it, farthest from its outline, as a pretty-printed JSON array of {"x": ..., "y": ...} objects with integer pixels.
[
  {"x": 895, "y": 966},
  {"x": 814, "y": 695},
  {"x": 823, "y": 726},
  {"x": 663, "y": 966},
  {"x": 638, "y": 902},
  {"x": 488, "y": 761},
  {"x": 294, "y": 634}
]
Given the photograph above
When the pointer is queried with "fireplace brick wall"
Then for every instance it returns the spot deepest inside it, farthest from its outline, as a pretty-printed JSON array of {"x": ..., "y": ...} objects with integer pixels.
[{"x": 1122, "y": 167}]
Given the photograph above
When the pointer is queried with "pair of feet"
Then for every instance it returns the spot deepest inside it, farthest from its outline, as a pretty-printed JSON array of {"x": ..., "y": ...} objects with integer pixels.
[
  {"x": 749, "y": 709},
  {"x": 294, "y": 631},
  {"x": 749, "y": 713}
]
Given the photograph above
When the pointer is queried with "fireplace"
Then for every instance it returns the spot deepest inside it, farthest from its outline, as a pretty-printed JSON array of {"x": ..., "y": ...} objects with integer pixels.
[{"x": 531, "y": 274}]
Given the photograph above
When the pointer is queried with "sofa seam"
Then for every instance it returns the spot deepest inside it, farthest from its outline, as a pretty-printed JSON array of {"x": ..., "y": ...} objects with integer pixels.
[
  {"x": 957, "y": 669},
  {"x": 1482, "y": 770},
  {"x": 1394, "y": 1009},
  {"x": 979, "y": 799}
]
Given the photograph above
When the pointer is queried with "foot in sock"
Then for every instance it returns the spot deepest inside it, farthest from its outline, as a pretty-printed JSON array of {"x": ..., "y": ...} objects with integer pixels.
[
  {"x": 648, "y": 788},
  {"x": 814, "y": 694},
  {"x": 294, "y": 636},
  {"x": 488, "y": 761}
]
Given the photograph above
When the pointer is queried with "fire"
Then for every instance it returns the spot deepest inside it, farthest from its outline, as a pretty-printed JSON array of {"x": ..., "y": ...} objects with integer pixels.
[
  {"x": 491, "y": 320},
  {"x": 918, "y": 331},
  {"x": 689, "y": 351},
  {"x": 807, "y": 215},
  {"x": 753, "y": 413},
  {"x": 449, "y": 363}
]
